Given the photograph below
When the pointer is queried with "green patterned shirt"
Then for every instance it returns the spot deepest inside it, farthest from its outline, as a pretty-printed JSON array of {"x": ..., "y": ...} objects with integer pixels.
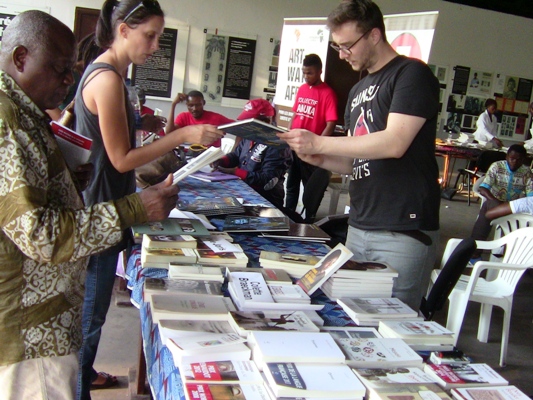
[
  {"x": 507, "y": 185},
  {"x": 46, "y": 234}
]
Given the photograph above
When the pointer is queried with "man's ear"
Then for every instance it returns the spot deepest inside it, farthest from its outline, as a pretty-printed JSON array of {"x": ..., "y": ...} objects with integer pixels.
[
  {"x": 19, "y": 56},
  {"x": 203, "y": 102}
]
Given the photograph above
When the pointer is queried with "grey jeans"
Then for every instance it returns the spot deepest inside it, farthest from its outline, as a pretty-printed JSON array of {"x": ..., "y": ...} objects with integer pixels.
[{"x": 413, "y": 259}]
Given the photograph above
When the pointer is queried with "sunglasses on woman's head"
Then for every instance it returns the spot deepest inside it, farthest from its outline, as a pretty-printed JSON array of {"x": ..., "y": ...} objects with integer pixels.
[{"x": 142, "y": 4}]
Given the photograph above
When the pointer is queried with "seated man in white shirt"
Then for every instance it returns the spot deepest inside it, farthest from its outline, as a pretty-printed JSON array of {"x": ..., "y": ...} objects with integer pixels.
[
  {"x": 523, "y": 205},
  {"x": 487, "y": 125}
]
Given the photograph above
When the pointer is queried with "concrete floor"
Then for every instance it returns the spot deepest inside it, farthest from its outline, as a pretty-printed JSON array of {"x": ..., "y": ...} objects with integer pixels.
[{"x": 119, "y": 345}]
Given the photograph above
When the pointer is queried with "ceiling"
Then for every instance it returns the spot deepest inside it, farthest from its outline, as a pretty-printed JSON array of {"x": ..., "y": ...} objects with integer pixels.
[{"x": 522, "y": 8}]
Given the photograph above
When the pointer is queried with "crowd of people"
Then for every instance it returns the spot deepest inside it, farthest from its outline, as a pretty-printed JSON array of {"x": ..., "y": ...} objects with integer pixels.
[{"x": 52, "y": 234}]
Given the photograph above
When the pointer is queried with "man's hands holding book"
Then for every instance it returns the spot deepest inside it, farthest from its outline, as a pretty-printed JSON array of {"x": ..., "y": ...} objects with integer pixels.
[{"x": 160, "y": 199}]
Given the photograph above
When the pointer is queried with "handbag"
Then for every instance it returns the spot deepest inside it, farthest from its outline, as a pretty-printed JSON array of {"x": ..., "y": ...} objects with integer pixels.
[{"x": 156, "y": 171}]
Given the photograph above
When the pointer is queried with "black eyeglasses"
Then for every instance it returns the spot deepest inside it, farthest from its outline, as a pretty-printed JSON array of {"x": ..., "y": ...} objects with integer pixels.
[
  {"x": 145, "y": 4},
  {"x": 346, "y": 50}
]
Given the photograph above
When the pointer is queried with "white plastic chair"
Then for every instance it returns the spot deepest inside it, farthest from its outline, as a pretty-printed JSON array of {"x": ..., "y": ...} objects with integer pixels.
[
  {"x": 510, "y": 223},
  {"x": 498, "y": 292}
]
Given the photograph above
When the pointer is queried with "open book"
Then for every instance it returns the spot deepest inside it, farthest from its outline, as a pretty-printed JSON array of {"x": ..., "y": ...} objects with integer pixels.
[
  {"x": 75, "y": 148},
  {"x": 207, "y": 157},
  {"x": 258, "y": 131}
]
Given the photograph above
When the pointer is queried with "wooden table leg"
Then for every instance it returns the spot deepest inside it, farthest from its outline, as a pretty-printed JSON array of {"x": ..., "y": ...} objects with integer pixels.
[{"x": 444, "y": 183}]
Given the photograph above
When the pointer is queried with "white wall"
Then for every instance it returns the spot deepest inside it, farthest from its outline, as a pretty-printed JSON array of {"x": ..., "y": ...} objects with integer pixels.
[{"x": 465, "y": 35}]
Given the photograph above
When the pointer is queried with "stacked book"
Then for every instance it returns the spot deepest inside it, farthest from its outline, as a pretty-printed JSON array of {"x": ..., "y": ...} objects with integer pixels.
[
  {"x": 171, "y": 287},
  {"x": 296, "y": 265},
  {"x": 370, "y": 311},
  {"x": 195, "y": 272},
  {"x": 222, "y": 379},
  {"x": 250, "y": 292},
  {"x": 155, "y": 257},
  {"x": 361, "y": 279},
  {"x": 464, "y": 375},
  {"x": 301, "y": 232},
  {"x": 420, "y": 335},
  {"x": 304, "y": 365},
  {"x": 171, "y": 227},
  {"x": 213, "y": 206},
  {"x": 399, "y": 383},
  {"x": 246, "y": 223}
]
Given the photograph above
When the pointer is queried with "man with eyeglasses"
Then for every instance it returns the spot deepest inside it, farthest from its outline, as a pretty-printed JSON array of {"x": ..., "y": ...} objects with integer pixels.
[{"x": 390, "y": 152}]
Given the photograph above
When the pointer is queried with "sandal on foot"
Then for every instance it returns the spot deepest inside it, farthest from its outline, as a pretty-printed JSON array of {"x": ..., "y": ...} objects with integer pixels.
[{"x": 110, "y": 381}]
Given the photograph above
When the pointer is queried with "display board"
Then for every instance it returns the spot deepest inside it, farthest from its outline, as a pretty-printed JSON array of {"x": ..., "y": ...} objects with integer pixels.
[
  {"x": 228, "y": 63},
  {"x": 162, "y": 75},
  {"x": 471, "y": 87}
]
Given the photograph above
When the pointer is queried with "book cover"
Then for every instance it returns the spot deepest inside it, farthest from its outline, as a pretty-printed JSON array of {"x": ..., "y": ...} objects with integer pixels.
[
  {"x": 206, "y": 342},
  {"x": 258, "y": 131},
  {"x": 174, "y": 328},
  {"x": 379, "y": 353},
  {"x": 243, "y": 223},
  {"x": 167, "y": 255},
  {"x": 190, "y": 306},
  {"x": 180, "y": 286},
  {"x": 212, "y": 206},
  {"x": 172, "y": 227},
  {"x": 258, "y": 210},
  {"x": 399, "y": 384},
  {"x": 327, "y": 381},
  {"x": 226, "y": 371},
  {"x": 245, "y": 321},
  {"x": 271, "y": 276},
  {"x": 296, "y": 265},
  {"x": 209, "y": 350},
  {"x": 474, "y": 374},
  {"x": 194, "y": 164},
  {"x": 241, "y": 391},
  {"x": 487, "y": 393},
  {"x": 306, "y": 347},
  {"x": 76, "y": 148},
  {"x": 331, "y": 262},
  {"x": 249, "y": 290},
  {"x": 214, "y": 176},
  {"x": 168, "y": 241},
  {"x": 373, "y": 377}
]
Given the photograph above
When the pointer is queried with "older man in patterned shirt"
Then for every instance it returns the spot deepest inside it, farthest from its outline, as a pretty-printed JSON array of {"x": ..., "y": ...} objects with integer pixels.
[{"x": 46, "y": 233}]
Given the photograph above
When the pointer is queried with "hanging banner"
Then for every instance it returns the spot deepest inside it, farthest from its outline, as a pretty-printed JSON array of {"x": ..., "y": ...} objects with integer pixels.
[
  {"x": 300, "y": 36},
  {"x": 411, "y": 34}
]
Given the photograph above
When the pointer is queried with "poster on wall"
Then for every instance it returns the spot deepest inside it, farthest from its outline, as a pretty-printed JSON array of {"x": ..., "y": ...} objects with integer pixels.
[
  {"x": 156, "y": 74},
  {"x": 411, "y": 34},
  {"x": 239, "y": 68},
  {"x": 227, "y": 68},
  {"x": 480, "y": 83},
  {"x": 8, "y": 12},
  {"x": 162, "y": 75},
  {"x": 523, "y": 93},
  {"x": 300, "y": 36},
  {"x": 509, "y": 91},
  {"x": 460, "y": 79}
]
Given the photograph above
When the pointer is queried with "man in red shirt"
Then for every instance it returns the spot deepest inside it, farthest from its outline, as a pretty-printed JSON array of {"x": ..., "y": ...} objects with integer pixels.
[
  {"x": 195, "y": 115},
  {"x": 315, "y": 109}
]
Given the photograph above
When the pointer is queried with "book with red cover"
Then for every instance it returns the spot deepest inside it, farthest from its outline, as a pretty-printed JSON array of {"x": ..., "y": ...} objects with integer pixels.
[{"x": 75, "y": 148}]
